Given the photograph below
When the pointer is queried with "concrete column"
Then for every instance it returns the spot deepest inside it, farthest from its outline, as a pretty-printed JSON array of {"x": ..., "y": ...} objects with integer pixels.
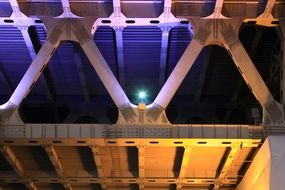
[{"x": 267, "y": 170}]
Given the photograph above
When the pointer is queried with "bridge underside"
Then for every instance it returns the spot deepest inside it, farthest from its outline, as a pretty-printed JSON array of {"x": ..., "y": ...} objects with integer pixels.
[
  {"x": 70, "y": 72},
  {"x": 127, "y": 157}
]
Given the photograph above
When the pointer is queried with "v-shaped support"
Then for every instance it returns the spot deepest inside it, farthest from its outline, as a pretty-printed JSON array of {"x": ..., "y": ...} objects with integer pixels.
[
  {"x": 222, "y": 32},
  {"x": 69, "y": 29}
]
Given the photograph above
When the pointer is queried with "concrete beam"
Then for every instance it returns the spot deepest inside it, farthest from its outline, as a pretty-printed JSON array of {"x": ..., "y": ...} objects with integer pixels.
[
  {"x": 16, "y": 165},
  {"x": 273, "y": 113},
  {"x": 54, "y": 160},
  {"x": 27, "y": 82},
  {"x": 110, "y": 82},
  {"x": 141, "y": 151},
  {"x": 49, "y": 90},
  {"x": 183, "y": 167},
  {"x": 44, "y": 79},
  {"x": 23, "y": 27},
  {"x": 117, "y": 15},
  {"x": 178, "y": 74},
  {"x": 227, "y": 164},
  {"x": 124, "y": 22},
  {"x": 56, "y": 164},
  {"x": 82, "y": 131},
  {"x": 253, "y": 47},
  {"x": 166, "y": 16},
  {"x": 163, "y": 55},
  {"x": 12, "y": 160},
  {"x": 120, "y": 55},
  {"x": 114, "y": 180},
  {"x": 99, "y": 167}
]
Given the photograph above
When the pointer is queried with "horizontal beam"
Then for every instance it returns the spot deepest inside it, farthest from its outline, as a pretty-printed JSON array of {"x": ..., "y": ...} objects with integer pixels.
[
  {"x": 133, "y": 142},
  {"x": 148, "y": 181},
  {"x": 85, "y": 131},
  {"x": 125, "y": 22}
]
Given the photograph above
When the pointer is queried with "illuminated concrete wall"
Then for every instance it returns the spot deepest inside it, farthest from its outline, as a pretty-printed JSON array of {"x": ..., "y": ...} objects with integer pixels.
[{"x": 267, "y": 169}]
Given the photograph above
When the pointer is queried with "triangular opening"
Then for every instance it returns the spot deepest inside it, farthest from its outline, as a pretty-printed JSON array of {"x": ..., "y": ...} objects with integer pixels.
[
  {"x": 213, "y": 92},
  {"x": 142, "y": 46},
  {"x": 143, "y": 53},
  {"x": 71, "y": 92},
  {"x": 263, "y": 45}
]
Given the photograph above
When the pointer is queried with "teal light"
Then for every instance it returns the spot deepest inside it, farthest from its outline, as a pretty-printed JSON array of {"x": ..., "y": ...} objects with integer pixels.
[{"x": 142, "y": 95}]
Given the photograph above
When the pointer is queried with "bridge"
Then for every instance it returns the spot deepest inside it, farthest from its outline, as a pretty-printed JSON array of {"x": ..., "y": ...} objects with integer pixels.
[{"x": 124, "y": 94}]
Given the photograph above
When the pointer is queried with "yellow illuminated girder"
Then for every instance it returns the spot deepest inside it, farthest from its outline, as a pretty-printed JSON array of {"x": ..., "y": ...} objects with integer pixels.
[{"x": 142, "y": 144}]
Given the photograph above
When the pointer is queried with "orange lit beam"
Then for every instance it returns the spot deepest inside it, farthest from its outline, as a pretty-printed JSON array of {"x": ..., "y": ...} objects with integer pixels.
[
  {"x": 141, "y": 156},
  {"x": 114, "y": 180},
  {"x": 56, "y": 164},
  {"x": 98, "y": 164},
  {"x": 54, "y": 160},
  {"x": 184, "y": 166},
  {"x": 16, "y": 164},
  {"x": 222, "y": 177}
]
